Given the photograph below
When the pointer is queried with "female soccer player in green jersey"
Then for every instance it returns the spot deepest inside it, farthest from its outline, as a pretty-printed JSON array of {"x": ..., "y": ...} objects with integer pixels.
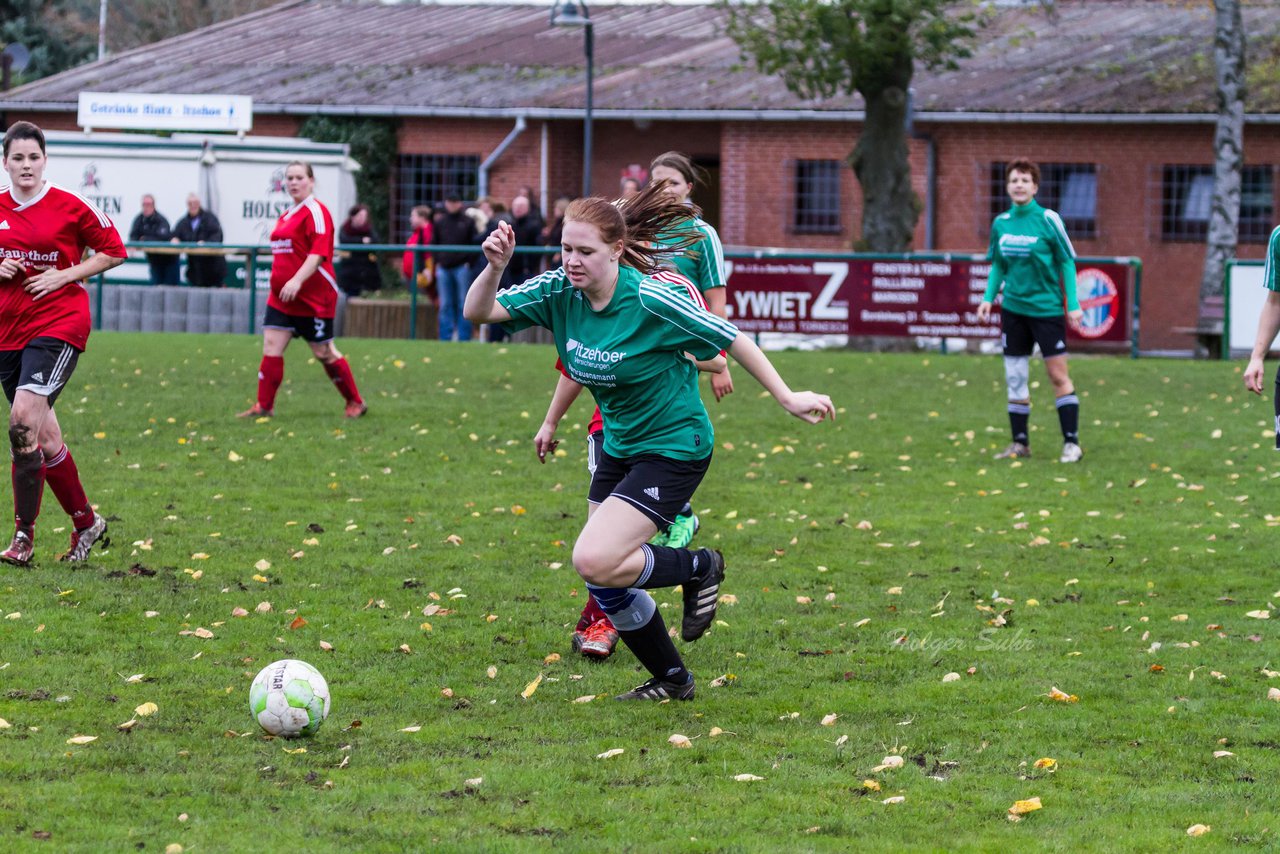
[
  {"x": 702, "y": 263},
  {"x": 624, "y": 335},
  {"x": 1032, "y": 257}
]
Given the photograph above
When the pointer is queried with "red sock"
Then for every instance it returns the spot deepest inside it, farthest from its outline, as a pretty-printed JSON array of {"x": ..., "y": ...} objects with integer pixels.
[
  {"x": 340, "y": 373},
  {"x": 28, "y": 487},
  {"x": 63, "y": 477},
  {"x": 270, "y": 375},
  {"x": 591, "y": 613}
]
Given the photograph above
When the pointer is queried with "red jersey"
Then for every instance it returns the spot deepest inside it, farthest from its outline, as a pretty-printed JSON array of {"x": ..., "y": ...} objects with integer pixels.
[
  {"x": 49, "y": 232},
  {"x": 305, "y": 229},
  {"x": 670, "y": 277}
]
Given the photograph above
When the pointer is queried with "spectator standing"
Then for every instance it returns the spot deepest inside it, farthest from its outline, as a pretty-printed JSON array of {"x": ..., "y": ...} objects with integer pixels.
[
  {"x": 487, "y": 213},
  {"x": 421, "y": 228},
  {"x": 453, "y": 269},
  {"x": 527, "y": 225},
  {"x": 358, "y": 272},
  {"x": 552, "y": 232},
  {"x": 201, "y": 226},
  {"x": 150, "y": 226}
]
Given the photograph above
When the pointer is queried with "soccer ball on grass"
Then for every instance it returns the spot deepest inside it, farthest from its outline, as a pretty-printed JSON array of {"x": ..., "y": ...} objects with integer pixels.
[{"x": 289, "y": 698}]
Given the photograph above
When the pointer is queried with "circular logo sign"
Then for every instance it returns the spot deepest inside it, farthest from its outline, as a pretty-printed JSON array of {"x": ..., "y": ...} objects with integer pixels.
[{"x": 1099, "y": 300}]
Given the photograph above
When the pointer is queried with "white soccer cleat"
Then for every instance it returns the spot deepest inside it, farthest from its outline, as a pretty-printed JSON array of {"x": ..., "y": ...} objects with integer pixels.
[{"x": 1071, "y": 453}]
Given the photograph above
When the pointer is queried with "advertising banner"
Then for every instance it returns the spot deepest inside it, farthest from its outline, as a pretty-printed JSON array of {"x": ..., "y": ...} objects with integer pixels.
[{"x": 902, "y": 298}]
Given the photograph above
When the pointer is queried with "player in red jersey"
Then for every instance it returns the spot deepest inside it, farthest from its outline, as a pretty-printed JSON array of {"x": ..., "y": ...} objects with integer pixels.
[
  {"x": 304, "y": 296},
  {"x": 44, "y": 327},
  {"x": 595, "y": 635}
]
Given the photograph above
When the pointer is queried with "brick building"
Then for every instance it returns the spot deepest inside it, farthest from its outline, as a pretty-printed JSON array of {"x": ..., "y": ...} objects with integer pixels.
[{"x": 1122, "y": 126}]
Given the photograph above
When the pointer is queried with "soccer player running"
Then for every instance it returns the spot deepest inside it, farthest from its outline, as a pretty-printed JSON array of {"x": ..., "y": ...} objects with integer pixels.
[
  {"x": 1268, "y": 327},
  {"x": 1032, "y": 257},
  {"x": 702, "y": 263},
  {"x": 304, "y": 296},
  {"x": 44, "y": 327},
  {"x": 595, "y": 636},
  {"x": 624, "y": 335}
]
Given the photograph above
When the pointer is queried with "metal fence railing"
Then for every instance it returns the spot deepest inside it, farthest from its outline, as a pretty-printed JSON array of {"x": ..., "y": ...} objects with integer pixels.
[{"x": 843, "y": 293}]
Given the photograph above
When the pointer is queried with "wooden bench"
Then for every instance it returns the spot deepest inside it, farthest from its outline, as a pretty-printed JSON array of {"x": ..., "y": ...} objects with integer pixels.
[{"x": 1209, "y": 328}]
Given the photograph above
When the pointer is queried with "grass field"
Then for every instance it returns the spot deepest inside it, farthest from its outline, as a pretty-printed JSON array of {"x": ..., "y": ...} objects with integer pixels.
[{"x": 869, "y": 558}]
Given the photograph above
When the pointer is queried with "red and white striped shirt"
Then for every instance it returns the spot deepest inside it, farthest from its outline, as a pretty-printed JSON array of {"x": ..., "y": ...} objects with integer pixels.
[
  {"x": 49, "y": 232},
  {"x": 305, "y": 229}
]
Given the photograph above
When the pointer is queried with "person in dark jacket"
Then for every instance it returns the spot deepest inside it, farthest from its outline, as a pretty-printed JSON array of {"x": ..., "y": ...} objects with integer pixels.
[
  {"x": 453, "y": 269},
  {"x": 527, "y": 223},
  {"x": 150, "y": 226},
  {"x": 201, "y": 226},
  {"x": 358, "y": 271}
]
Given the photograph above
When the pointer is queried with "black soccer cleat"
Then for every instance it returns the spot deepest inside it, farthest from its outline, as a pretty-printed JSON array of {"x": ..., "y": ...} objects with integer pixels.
[
  {"x": 660, "y": 689},
  {"x": 701, "y": 599}
]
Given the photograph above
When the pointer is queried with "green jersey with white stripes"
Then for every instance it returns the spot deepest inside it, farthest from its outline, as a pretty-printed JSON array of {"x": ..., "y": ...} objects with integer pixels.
[
  {"x": 1269, "y": 270},
  {"x": 703, "y": 262},
  {"x": 1033, "y": 258},
  {"x": 630, "y": 354}
]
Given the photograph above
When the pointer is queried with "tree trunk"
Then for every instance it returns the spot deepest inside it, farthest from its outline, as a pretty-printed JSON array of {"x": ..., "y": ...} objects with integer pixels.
[
  {"x": 1228, "y": 153},
  {"x": 880, "y": 160}
]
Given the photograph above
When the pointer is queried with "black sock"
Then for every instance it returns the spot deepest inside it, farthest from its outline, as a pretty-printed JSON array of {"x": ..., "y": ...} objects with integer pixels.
[
  {"x": 653, "y": 647},
  {"x": 667, "y": 567},
  {"x": 1019, "y": 417},
  {"x": 686, "y": 510},
  {"x": 1069, "y": 417}
]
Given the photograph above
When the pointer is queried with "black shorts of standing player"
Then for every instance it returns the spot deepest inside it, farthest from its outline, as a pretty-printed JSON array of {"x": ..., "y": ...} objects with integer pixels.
[
  {"x": 316, "y": 330},
  {"x": 1022, "y": 333},
  {"x": 655, "y": 485},
  {"x": 595, "y": 447},
  {"x": 42, "y": 367}
]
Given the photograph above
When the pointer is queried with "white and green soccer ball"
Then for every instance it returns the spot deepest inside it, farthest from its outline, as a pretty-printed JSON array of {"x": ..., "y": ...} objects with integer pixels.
[{"x": 289, "y": 698}]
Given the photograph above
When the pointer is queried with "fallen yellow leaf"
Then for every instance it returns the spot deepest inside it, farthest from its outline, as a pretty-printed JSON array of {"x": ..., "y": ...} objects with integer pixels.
[
  {"x": 146, "y": 709},
  {"x": 1062, "y": 696},
  {"x": 1024, "y": 807},
  {"x": 533, "y": 686}
]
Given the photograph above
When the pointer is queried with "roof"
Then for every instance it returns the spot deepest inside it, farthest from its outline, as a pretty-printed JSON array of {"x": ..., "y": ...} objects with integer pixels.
[{"x": 665, "y": 60}]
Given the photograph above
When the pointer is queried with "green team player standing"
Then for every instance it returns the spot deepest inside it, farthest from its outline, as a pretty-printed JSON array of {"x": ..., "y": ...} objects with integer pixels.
[
  {"x": 1032, "y": 257},
  {"x": 703, "y": 264}
]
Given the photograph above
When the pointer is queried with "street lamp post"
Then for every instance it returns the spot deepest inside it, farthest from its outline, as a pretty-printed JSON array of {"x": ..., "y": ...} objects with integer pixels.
[{"x": 574, "y": 13}]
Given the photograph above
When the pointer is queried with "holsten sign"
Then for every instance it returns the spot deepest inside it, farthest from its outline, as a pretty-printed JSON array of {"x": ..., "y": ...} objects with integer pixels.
[
  {"x": 903, "y": 298},
  {"x": 137, "y": 111}
]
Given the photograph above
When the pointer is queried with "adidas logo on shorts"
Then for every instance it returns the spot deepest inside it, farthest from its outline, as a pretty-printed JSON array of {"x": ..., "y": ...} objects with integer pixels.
[
  {"x": 4, "y": 225},
  {"x": 38, "y": 376},
  {"x": 652, "y": 492}
]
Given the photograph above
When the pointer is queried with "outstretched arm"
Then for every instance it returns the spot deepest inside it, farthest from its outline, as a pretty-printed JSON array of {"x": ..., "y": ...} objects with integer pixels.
[
  {"x": 566, "y": 393},
  {"x": 481, "y": 305},
  {"x": 805, "y": 405}
]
